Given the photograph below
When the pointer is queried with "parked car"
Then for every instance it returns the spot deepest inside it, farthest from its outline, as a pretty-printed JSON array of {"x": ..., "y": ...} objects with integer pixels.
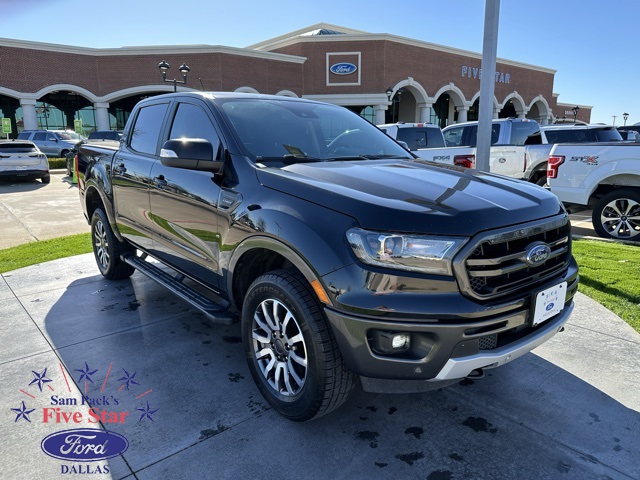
[
  {"x": 105, "y": 135},
  {"x": 630, "y": 132},
  {"x": 23, "y": 159},
  {"x": 415, "y": 135},
  {"x": 53, "y": 143}
]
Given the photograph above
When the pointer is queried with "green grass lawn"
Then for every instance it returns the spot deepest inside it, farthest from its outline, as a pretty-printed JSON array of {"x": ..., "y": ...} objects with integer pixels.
[
  {"x": 610, "y": 274},
  {"x": 609, "y": 271},
  {"x": 44, "y": 251}
]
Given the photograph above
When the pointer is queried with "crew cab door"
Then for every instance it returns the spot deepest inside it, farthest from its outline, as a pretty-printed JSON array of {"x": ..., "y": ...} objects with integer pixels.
[
  {"x": 131, "y": 169},
  {"x": 184, "y": 202}
]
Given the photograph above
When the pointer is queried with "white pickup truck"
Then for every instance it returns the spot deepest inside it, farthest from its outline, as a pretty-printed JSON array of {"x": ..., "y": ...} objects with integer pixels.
[
  {"x": 604, "y": 176},
  {"x": 507, "y": 156}
]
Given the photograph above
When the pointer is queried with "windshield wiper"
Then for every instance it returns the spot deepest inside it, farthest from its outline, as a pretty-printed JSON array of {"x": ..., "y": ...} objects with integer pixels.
[{"x": 366, "y": 157}]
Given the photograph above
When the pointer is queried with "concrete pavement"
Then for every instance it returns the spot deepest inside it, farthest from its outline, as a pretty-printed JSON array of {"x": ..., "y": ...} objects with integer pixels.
[
  {"x": 178, "y": 389},
  {"x": 568, "y": 410},
  {"x": 31, "y": 210}
]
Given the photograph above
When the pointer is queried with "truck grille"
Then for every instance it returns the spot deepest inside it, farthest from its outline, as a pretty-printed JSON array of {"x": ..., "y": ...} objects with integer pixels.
[{"x": 503, "y": 262}]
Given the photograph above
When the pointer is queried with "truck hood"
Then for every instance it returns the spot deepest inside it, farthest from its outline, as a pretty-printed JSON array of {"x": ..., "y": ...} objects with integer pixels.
[{"x": 414, "y": 196}]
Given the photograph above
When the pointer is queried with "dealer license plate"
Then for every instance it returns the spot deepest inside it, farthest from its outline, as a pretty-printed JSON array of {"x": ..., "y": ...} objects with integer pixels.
[{"x": 549, "y": 302}]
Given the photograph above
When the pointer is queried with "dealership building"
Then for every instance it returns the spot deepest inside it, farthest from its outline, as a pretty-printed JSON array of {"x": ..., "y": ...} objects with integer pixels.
[{"x": 383, "y": 77}]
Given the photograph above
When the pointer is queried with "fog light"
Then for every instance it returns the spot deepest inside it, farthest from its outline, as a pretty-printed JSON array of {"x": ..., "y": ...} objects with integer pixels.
[{"x": 390, "y": 342}]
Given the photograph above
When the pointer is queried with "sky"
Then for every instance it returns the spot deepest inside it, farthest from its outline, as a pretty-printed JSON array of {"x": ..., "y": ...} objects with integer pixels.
[{"x": 591, "y": 43}]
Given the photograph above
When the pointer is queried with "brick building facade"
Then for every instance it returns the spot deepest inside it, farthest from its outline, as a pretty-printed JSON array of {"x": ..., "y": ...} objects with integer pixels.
[{"x": 381, "y": 76}]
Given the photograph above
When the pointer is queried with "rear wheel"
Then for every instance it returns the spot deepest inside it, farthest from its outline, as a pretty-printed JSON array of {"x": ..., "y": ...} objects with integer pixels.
[
  {"x": 617, "y": 215},
  {"x": 292, "y": 353},
  {"x": 46, "y": 179},
  {"x": 107, "y": 248}
]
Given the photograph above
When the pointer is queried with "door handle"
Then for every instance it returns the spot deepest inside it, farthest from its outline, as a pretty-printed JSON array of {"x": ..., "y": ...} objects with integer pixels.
[{"x": 159, "y": 181}]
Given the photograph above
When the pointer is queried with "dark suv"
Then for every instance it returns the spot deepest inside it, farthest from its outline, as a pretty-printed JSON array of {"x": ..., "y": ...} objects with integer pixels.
[{"x": 105, "y": 135}]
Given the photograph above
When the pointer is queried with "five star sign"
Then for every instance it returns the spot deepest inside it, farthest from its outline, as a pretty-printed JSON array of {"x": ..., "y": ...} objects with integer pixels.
[
  {"x": 24, "y": 413},
  {"x": 40, "y": 378}
]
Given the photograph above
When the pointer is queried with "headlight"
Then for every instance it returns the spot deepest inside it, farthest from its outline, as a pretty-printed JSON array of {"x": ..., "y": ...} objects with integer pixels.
[{"x": 415, "y": 253}]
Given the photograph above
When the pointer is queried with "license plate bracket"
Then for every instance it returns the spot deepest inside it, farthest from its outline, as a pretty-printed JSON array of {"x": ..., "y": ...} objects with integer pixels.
[{"x": 548, "y": 303}]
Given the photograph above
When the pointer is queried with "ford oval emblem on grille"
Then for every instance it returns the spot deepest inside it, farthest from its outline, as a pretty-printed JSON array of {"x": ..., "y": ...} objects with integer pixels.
[
  {"x": 343, "y": 68},
  {"x": 537, "y": 255}
]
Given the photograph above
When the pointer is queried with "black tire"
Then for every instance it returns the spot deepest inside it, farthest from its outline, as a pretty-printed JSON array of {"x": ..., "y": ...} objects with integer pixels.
[
  {"x": 64, "y": 153},
  {"x": 542, "y": 181},
  {"x": 46, "y": 179},
  {"x": 107, "y": 249},
  {"x": 617, "y": 215},
  {"x": 300, "y": 371}
]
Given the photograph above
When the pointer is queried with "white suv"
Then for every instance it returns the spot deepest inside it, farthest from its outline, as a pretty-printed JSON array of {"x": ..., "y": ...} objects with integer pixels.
[{"x": 22, "y": 159}]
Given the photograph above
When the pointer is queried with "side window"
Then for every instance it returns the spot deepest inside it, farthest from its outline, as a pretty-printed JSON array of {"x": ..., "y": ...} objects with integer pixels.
[
  {"x": 520, "y": 131},
  {"x": 40, "y": 136},
  {"x": 23, "y": 135},
  {"x": 495, "y": 133},
  {"x": 453, "y": 137},
  {"x": 146, "y": 129},
  {"x": 191, "y": 121}
]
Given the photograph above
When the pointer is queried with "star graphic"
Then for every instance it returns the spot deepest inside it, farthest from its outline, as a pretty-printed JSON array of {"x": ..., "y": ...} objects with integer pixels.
[
  {"x": 22, "y": 413},
  {"x": 86, "y": 373},
  {"x": 146, "y": 412},
  {"x": 40, "y": 378},
  {"x": 128, "y": 379}
]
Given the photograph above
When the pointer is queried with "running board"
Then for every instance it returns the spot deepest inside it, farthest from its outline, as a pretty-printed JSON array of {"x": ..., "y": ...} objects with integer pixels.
[{"x": 215, "y": 312}]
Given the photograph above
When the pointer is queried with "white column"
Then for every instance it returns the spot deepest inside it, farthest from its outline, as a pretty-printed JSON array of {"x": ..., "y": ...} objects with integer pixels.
[
  {"x": 102, "y": 116},
  {"x": 545, "y": 120},
  {"x": 462, "y": 114},
  {"x": 496, "y": 112},
  {"x": 452, "y": 112},
  {"x": 379, "y": 110},
  {"x": 29, "y": 117},
  {"x": 424, "y": 112}
]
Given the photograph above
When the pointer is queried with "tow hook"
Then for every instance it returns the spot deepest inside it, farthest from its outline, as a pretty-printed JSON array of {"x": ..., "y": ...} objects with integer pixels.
[{"x": 476, "y": 374}]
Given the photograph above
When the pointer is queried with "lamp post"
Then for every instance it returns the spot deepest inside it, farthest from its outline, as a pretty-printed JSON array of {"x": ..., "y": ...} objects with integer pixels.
[
  {"x": 389, "y": 92},
  {"x": 614, "y": 119},
  {"x": 625, "y": 116},
  {"x": 575, "y": 113},
  {"x": 184, "y": 71}
]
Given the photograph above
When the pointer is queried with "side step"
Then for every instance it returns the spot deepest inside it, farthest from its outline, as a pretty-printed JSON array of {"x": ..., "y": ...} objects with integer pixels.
[{"x": 215, "y": 312}]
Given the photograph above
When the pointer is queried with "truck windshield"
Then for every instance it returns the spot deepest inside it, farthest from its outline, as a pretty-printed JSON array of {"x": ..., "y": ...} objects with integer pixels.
[{"x": 290, "y": 130}]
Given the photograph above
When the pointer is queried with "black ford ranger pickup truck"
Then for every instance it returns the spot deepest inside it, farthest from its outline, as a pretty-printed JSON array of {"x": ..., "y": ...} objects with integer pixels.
[{"x": 345, "y": 257}]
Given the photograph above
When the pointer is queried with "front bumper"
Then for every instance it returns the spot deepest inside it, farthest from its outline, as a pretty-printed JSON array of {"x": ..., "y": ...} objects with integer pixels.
[{"x": 443, "y": 352}]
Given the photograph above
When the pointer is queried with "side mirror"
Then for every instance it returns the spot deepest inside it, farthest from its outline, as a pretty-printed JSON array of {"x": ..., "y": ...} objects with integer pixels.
[{"x": 191, "y": 154}]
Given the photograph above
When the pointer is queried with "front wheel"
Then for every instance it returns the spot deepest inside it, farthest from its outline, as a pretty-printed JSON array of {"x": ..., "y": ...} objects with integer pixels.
[
  {"x": 292, "y": 354},
  {"x": 617, "y": 215},
  {"x": 107, "y": 248}
]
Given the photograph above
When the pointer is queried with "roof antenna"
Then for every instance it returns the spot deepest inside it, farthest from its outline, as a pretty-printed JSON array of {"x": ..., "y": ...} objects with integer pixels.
[{"x": 201, "y": 84}]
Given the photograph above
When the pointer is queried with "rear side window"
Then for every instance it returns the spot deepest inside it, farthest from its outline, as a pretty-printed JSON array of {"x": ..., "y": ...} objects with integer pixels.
[
  {"x": 520, "y": 131},
  {"x": 146, "y": 129},
  {"x": 608, "y": 135},
  {"x": 417, "y": 138},
  {"x": 24, "y": 135}
]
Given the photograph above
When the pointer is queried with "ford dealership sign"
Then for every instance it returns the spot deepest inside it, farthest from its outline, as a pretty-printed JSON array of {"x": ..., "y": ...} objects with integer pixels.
[{"x": 343, "y": 68}]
